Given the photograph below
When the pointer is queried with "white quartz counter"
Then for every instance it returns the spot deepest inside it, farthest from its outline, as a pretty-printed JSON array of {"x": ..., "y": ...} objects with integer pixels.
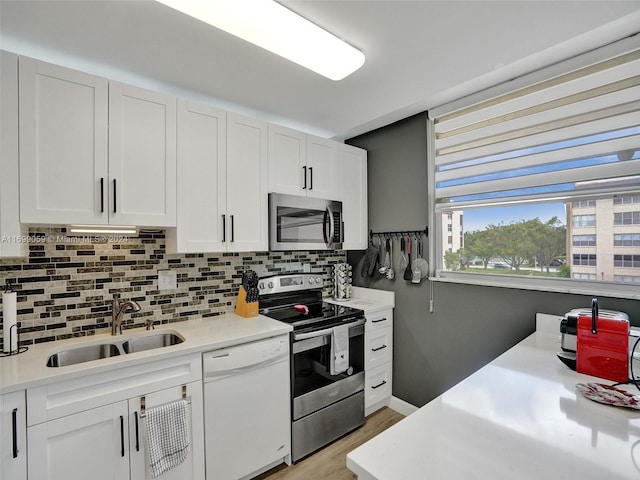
[
  {"x": 29, "y": 369},
  {"x": 368, "y": 299},
  {"x": 519, "y": 417}
]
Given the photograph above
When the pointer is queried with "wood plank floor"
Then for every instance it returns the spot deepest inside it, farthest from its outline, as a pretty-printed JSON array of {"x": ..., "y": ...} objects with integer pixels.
[{"x": 330, "y": 463}]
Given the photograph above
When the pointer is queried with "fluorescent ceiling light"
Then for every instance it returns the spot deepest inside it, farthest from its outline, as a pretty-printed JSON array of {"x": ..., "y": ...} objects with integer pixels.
[
  {"x": 103, "y": 229},
  {"x": 273, "y": 27}
]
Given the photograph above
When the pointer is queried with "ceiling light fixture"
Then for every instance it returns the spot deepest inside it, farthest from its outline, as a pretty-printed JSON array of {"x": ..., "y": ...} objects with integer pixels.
[{"x": 274, "y": 27}]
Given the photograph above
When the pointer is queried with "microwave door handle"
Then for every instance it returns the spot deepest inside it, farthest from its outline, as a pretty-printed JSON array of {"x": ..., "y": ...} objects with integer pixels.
[
  {"x": 328, "y": 215},
  {"x": 325, "y": 221}
]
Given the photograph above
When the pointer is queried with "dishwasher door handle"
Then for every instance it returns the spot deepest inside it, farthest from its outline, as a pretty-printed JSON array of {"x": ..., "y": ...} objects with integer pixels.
[{"x": 212, "y": 374}]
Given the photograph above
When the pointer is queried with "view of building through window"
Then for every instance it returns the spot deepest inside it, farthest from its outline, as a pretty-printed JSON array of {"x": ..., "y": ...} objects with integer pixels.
[{"x": 596, "y": 240}]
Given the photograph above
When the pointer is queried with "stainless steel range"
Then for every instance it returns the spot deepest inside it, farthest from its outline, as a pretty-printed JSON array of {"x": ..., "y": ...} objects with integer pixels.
[{"x": 327, "y": 359}]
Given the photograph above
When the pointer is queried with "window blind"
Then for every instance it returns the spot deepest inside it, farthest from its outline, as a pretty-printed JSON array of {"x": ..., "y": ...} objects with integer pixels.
[{"x": 573, "y": 127}]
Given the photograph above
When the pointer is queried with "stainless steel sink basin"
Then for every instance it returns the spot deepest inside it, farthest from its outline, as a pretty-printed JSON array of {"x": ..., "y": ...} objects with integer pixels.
[
  {"x": 148, "y": 342},
  {"x": 83, "y": 354},
  {"x": 113, "y": 347}
]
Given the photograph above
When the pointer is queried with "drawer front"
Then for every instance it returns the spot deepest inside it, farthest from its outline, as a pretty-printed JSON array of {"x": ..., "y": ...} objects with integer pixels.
[
  {"x": 59, "y": 399},
  {"x": 381, "y": 319},
  {"x": 378, "y": 347},
  {"x": 377, "y": 385}
]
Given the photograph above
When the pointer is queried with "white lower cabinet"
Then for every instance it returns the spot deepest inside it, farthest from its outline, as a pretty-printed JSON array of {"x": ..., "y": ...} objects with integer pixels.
[
  {"x": 378, "y": 360},
  {"x": 13, "y": 436},
  {"x": 83, "y": 437},
  {"x": 89, "y": 444}
]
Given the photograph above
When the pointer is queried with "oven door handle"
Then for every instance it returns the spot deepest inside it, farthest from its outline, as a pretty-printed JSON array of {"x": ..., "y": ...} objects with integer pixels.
[{"x": 323, "y": 332}]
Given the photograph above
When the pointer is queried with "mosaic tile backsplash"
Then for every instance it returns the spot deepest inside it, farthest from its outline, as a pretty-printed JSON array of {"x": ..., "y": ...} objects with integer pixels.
[{"x": 65, "y": 286}]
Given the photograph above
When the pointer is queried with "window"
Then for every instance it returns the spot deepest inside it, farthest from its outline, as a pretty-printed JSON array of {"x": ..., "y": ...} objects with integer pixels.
[
  {"x": 584, "y": 240},
  {"x": 626, "y": 218},
  {"x": 627, "y": 279},
  {"x": 626, "y": 240},
  {"x": 536, "y": 166},
  {"x": 626, "y": 199},
  {"x": 626, "y": 261},
  {"x": 583, "y": 203},
  {"x": 584, "y": 221},
  {"x": 584, "y": 259}
]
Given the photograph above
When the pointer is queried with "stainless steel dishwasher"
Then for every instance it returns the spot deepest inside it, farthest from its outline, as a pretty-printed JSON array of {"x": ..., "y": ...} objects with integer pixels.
[{"x": 247, "y": 408}]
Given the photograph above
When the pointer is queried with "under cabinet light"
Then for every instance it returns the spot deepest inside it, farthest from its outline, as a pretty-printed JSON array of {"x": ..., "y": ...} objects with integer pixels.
[
  {"x": 271, "y": 26},
  {"x": 103, "y": 229}
]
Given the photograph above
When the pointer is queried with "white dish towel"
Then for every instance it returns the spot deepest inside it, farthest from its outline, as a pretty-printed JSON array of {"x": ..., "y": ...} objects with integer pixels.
[
  {"x": 168, "y": 436},
  {"x": 339, "y": 350}
]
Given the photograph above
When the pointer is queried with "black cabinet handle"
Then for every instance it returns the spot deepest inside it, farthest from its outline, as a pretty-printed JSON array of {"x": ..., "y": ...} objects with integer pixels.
[
  {"x": 101, "y": 194},
  {"x": 233, "y": 233},
  {"x": 114, "y": 196},
  {"x": 310, "y": 178},
  {"x": 305, "y": 177},
  {"x": 384, "y": 382},
  {"x": 224, "y": 227},
  {"x": 137, "y": 435},
  {"x": 383, "y": 319},
  {"x": 121, "y": 436},
  {"x": 378, "y": 348},
  {"x": 14, "y": 425}
]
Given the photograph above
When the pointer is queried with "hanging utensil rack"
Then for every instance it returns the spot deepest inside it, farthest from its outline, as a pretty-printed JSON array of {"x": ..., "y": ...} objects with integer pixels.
[{"x": 400, "y": 233}]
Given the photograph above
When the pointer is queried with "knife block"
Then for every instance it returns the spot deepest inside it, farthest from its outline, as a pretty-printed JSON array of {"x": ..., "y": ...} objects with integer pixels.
[{"x": 244, "y": 308}]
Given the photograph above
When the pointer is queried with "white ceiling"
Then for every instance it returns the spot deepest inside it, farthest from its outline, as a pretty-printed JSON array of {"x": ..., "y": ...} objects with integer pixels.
[{"x": 419, "y": 54}]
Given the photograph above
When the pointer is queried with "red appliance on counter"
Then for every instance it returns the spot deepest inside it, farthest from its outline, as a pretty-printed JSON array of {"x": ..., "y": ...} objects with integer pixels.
[{"x": 603, "y": 346}]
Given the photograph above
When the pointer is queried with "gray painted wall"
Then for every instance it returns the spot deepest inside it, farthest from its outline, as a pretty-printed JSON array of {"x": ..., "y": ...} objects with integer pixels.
[{"x": 470, "y": 325}]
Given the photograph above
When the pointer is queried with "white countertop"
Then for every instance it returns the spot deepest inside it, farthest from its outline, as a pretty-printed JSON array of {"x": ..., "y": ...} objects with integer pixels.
[
  {"x": 368, "y": 299},
  {"x": 518, "y": 417},
  {"x": 29, "y": 369}
]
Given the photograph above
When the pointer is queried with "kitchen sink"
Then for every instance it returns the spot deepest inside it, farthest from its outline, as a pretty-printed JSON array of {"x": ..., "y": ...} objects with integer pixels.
[
  {"x": 148, "y": 342},
  {"x": 113, "y": 347},
  {"x": 83, "y": 354}
]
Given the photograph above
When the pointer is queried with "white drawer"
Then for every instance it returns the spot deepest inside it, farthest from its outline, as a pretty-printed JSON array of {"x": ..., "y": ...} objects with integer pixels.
[
  {"x": 378, "y": 347},
  {"x": 377, "y": 384},
  {"x": 380, "y": 319}
]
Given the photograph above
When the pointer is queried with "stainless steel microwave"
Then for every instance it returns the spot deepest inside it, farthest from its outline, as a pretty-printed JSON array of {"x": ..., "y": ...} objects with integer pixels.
[{"x": 303, "y": 223}]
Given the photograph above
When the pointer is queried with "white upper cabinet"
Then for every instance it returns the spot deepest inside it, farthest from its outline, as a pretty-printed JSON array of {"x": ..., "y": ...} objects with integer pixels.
[
  {"x": 353, "y": 194},
  {"x": 94, "y": 151},
  {"x": 201, "y": 179},
  {"x": 142, "y": 156},
  {"x": 63, "y": 144},
  {"x": 222, "y": 182},
  {"x": 323, "y": 168},
  {"x": 287, "y": 161},
  {"x": 301, "y": 164},
  {"x": 247, "y": 195},
  {"x": 10, "y": 230}
]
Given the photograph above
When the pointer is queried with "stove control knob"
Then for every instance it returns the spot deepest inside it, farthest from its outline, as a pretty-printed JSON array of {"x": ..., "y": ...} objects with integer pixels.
[
  {"x": 318, "y": 280},
  {"x": 261, "y": 286},
  {"x": 311, "y": 280},
  {"x": 270, "y": 285}
]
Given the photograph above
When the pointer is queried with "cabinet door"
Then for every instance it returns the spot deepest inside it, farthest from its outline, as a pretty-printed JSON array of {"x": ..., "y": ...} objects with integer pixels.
[
  {"x": 91, "y": 444},
  {"x": 10, "y": 229},
  {"x": 201, "y": 177},
  {"x": 63, "y": 144},
  {"x": 323, "y": 168},
  {"x": 13, "y": 436},
  {"x": 353, "y": 193},
  {"x": 193, "y": 466},
  {"x": 247, "y": 199},
  {"x": 287, "y": 161},
  {"x": 142, "y": 157}
]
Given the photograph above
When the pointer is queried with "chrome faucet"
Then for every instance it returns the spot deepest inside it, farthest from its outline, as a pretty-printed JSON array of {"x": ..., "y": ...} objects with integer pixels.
[{"x": 118, "y": 309}]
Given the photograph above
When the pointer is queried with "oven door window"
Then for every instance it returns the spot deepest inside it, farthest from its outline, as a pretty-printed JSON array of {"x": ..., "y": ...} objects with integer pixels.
[{"x": 310, "y": 366}]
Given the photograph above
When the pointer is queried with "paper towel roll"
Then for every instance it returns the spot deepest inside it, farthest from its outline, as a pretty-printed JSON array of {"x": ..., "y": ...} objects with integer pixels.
[{"x": 9, "y": 320}]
